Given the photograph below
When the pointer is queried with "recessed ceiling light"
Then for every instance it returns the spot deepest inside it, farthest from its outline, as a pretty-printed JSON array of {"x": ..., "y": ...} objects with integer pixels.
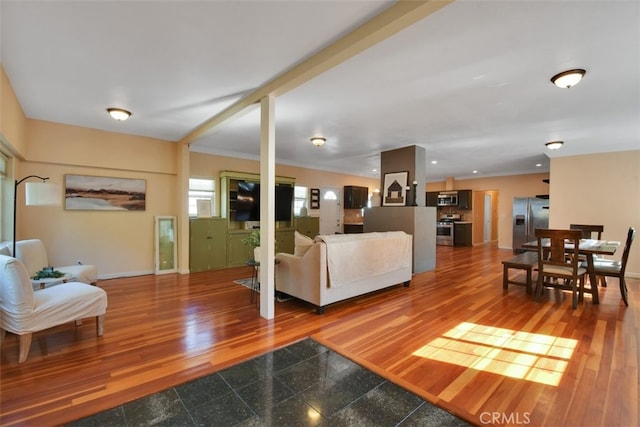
[
  {"x": 475, "y": 171},
  {"x": 569, "y": 78},
  {"x": 538, "y": 165},
  {"x": 554, "y": 145},
  {"x": 118, "y": 113},
  {"x": 433, "y": 162}
]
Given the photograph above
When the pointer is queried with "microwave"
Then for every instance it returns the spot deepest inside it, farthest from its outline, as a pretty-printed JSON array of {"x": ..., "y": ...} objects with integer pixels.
[{"x": 449, "y": 198}]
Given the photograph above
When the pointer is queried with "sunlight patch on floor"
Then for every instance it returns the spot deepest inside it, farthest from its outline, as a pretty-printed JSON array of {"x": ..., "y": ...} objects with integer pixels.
[{"x": 515, "y": 354}]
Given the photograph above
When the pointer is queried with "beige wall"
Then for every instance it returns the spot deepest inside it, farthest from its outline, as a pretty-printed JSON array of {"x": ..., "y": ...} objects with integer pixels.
[
  {"x": 12, "y": 120},
  {"x": 599, "y": 189},
  {"x": 119, "y": 243}
]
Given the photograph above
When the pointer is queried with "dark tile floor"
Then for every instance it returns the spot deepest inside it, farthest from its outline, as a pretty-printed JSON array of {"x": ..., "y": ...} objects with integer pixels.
[{"x": 304, "y": 384}]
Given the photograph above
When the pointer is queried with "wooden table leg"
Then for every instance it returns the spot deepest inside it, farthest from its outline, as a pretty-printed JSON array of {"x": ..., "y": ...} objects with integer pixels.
[{"x": 592, "y": 279}]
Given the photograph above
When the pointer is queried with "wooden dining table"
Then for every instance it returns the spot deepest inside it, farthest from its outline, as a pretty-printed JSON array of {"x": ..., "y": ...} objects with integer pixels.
[{"x": 588, "y": 248}]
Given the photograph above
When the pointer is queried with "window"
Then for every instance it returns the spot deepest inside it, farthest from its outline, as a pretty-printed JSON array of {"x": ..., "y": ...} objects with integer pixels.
[
  {"x": 299, "y": 199},
  {"x": 201, "y": 189}
]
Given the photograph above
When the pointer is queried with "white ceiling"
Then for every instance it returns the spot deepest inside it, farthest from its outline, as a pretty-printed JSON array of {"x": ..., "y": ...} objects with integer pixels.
[{"x": 470, "y": 83}]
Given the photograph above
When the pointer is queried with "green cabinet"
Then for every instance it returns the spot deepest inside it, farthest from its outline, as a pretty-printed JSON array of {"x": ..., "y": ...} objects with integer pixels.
[
  {"x": 237, "y": 252},
  {"x": 285, "y": 241},
  {"x": 308, "y": 225},
  {"x": 207, "y": 244}
]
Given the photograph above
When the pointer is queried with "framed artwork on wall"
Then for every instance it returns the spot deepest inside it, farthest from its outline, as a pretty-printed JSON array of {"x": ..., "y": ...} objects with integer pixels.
[
  {"x": 99, "y": 193},
  {"x": 395, "y": 189},
  {"x": 203, "y": 207},
  {"x": 314, "y": 198}
]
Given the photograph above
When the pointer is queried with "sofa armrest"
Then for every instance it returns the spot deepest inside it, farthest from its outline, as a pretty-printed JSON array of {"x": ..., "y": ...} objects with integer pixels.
[{"x": 303, "y": 277}]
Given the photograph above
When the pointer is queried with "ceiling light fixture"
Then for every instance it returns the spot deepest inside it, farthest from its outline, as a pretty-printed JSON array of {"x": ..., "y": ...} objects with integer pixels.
[
  {"x": 569, "y": 78},
  {"x": 318, "y": 141},
  {"x": 554, "y": 145},
  {"x": 118, "y": 113}
]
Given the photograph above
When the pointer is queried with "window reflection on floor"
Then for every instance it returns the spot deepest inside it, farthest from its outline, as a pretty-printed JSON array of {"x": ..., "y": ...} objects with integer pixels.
[{"x": 534, "y": 357}]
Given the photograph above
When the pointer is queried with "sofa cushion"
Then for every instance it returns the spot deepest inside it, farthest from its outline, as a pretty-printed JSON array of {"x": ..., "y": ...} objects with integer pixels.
[{"x": 302, "y": 244}]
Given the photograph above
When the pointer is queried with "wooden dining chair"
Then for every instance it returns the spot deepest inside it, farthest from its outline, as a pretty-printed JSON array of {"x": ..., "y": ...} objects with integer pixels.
[
  {"x": 611, "y": 268},
  {"x": 591, "y": 231},
  {"x": 558, "y": 263},
  {"x": 588, "y": 230}
]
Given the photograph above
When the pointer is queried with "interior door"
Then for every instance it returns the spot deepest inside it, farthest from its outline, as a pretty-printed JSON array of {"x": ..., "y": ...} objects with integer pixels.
[{"x": 330, "y": 218}]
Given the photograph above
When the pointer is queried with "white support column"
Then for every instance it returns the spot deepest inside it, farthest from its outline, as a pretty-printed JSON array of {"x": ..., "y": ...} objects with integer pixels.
[{"x": 267, "y": 206}]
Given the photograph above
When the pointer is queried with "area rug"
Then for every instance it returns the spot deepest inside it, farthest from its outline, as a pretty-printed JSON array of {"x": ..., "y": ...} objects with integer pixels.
[
  {"x": 305, "y": 383},
  {"x": 280, "y": 297}
]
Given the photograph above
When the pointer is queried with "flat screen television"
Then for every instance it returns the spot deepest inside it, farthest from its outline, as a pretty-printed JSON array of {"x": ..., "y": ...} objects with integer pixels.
[
  {"x": 248, "y": 202},
  {"x": 284, "y": 202}
]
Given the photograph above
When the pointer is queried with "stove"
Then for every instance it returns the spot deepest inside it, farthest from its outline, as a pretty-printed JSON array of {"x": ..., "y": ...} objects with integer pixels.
[
  {"x": 444, "y": 229},
  {"x": 450, "y": 217}
]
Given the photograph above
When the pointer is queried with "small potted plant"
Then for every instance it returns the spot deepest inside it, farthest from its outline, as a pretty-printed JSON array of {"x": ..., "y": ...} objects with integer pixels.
[{"x": 253, "y": 240}]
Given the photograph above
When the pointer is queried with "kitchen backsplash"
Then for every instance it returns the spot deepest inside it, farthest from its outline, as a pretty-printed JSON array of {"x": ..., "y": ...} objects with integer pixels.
[{"x": 353, "y": 216}]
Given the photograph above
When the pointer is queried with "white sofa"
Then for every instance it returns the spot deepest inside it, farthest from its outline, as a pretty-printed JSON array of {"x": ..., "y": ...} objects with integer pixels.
[{"x": 332, "y": 268}]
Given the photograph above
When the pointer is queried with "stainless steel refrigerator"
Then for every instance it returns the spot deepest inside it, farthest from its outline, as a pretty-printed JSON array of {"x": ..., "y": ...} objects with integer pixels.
[{"x": 529, "y": 213}]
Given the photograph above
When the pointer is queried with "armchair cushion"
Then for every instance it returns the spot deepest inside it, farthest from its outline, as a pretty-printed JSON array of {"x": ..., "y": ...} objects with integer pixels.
[
  {"x": 16, "y": 292},
  {"x": 33, "y": 255}
]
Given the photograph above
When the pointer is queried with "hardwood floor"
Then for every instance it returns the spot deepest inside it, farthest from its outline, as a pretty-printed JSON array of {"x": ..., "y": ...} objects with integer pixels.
[{"x": 453, "y": 337}]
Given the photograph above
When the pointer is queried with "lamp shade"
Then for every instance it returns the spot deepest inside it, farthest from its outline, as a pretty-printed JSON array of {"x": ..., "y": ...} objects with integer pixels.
[{"x": 42, "y": 194}]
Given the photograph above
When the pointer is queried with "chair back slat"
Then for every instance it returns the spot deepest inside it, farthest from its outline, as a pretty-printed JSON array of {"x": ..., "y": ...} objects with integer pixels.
[
  {"x": 559, "y": 260},
  {"x": 588, "y": 230}
]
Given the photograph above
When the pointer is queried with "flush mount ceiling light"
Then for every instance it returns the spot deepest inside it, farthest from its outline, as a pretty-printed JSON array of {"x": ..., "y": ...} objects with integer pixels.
[
  {"x": 569, "y": 78},
  {"x": 118, "y": 113},
  {"x": 554, "y": 145},
  {"x": 318, "y": 141}
]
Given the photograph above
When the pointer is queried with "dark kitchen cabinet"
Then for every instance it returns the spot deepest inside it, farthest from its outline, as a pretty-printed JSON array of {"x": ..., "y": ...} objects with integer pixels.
[
  {"x": 355, "y": 197},
  {"x": 464, "y": 199},
  {"x": 462, "y": 234},
  {"x": 432, "y": 198}
]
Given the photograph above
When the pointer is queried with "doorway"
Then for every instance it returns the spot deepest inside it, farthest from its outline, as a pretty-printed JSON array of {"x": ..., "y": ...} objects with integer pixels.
[
  {"x": 330, "y": 219},
  {"x": 487, "y": 217}
]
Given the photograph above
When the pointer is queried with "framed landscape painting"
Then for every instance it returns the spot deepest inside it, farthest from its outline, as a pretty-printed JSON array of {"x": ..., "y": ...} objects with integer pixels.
[
  {"x": 395, "y": 189},
  {"x": 99, "y": 193}
]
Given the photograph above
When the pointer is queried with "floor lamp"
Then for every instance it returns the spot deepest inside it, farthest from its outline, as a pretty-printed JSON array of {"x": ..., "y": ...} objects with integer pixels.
[{"x": 36, "y": 194}]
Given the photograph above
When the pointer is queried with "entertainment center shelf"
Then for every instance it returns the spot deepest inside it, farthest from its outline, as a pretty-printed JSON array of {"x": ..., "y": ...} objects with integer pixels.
[{"x": 232, "y": 185}]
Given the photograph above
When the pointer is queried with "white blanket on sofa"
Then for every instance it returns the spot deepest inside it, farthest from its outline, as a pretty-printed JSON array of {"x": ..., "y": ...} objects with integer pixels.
[{"x": 352, "y": 257}]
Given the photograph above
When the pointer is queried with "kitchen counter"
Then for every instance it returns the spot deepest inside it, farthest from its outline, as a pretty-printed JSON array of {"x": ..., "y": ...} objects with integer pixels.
[{"x": 351, "y": 228}]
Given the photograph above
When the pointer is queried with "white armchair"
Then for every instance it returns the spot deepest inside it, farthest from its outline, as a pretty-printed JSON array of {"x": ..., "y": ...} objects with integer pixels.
[
  {"x": 23, "y": 311},
  {"x": 34, "y": 256}
]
